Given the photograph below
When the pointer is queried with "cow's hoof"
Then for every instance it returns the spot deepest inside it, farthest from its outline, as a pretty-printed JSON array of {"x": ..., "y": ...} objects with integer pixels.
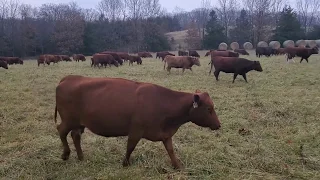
[
  {"x": 177, "y": 166},
  {"x": 125, "y": 163},
  {"x": 65, "y": 156},
  {"x": 80, "y": 157}
]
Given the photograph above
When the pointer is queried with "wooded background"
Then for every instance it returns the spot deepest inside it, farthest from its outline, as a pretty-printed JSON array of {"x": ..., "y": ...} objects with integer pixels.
[{"x": 143, "y": 25}]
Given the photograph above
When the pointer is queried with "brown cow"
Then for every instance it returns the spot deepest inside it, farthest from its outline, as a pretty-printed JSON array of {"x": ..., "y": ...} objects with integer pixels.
[
  {"x": 145, "y": 55},
  {"x": 151, "y": 112},
  {"x": 281, "y": 51},
  {"x": 124, "y": 56},
  {"x": 235, "y": 65},
  {"x": 241, "y": 51},
  {"x": 78, "y": 57},
  {"x": 304, "y": 53},
  {"x": 3, "y": 64},
  {"x": 51, "y": 59},
  {"x": 133, "y": 59},
  {"x": 184, "y": 62},
  {"x": 12, "y": 60},
  {"x": 64, "y": 58},
  {"x": 103, "y": 60},
  {"x": 115, "y": 56},
  {"x": 216, "y": 53}
]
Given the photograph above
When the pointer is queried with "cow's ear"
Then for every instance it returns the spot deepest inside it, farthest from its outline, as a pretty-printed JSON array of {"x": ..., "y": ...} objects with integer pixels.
[{"x": 196, "y": 100}]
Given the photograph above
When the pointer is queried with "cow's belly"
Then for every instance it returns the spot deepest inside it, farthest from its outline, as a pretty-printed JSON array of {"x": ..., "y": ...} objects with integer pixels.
[{"x": 108, "y": 128}]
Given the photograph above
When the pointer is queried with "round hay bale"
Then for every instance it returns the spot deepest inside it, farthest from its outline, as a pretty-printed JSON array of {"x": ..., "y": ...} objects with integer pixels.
[
  {"x": 301, "y": 43},
  {"x": 223, "y": 46},
  {"x": 262, "y": 44},
  {"x": 288, "y": 43},
  {"x": 234, "y": 45},
  {"x": 247, "y": 46},
  {"x": 318, "y": 42},
  {"x": 311, "y": 43},
  {"x": 275, "y": 44}
]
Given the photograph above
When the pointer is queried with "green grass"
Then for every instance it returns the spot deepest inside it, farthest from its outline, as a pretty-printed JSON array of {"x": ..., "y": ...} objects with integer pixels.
[{"x": 279, "y": 108}]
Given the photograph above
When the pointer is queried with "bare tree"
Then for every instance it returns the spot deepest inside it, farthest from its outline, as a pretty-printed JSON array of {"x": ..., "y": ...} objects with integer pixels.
[
  {"x": 307, "y": 11},
  {"x": 90, "y": 15},
  {"x": 111, "y": 9},
  {"x": 151, "y": 8},
  {"x": 276, "y": 8},
  {"x": 227, "y": 10},
  {"x": 134, "y": 8}
]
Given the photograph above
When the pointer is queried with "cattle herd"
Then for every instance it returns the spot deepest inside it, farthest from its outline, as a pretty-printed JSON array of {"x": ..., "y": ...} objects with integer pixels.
[{"x": 151, "y": 111}]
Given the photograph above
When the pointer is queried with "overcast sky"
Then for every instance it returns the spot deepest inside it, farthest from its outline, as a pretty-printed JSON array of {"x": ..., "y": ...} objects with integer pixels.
[{"x": 168, "y": 4}]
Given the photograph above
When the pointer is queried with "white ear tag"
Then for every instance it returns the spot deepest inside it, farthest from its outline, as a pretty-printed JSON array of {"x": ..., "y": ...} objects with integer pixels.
[{"x": 195, "y": 105}]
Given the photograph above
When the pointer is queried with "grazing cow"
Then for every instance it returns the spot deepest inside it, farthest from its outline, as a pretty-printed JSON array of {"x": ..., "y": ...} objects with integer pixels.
[
  {"x": 194, "y": 53},
  {"x": 65, "y": 58},
  {"x": 304, "y": 53},
  {"x": 184, "y": 62},
  {"x": 115, "y": 56},
  {"x": 163, "y": 54},
  {"x": 266, "y": 51},
  {"x": 281, "y": 51},
  {"x": 133, "y": 59},
  {"x": 124, "y": 56},
  {"x": 216, "y": 53},
  {"x": 145, "y": 55},
  {"x": 151, "y": 112},
  {"x": 3, "y": 64},
  {"x": 182, "y": 53},
  {"x": 12, "y": 60},
  {"x": 235, "y": 65},
  {"x": 103, "y": 60},
  {"x": 78, "y": 57},
  {"x": 241, "y": 51},
  {"x": 51, "y": 59}
]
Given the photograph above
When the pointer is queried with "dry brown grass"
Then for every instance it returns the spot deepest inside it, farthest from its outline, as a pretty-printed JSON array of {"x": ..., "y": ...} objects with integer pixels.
[{"x": 278, "y": 110}]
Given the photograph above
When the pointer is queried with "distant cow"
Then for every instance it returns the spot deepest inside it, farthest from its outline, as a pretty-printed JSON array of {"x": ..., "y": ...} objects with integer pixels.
[
  {"x": 115, "y": 56},
  {"x": 103, "y": 60},
  {"x": 281, "y": 51},
  {"x": 145, "y": 55},
  {"x": 123, "y": 55},
  {"x": 113, "y": 107},
  {"x": 304, "y": 53},
  {"x": 65, "y": 58},
  {"x": 235, "y": 65},
  {"x": 79, "y": 57},
  {"x": 193, "y": 53},
  {"x": 12, "y": 60},
  {"x": 51, "y": 59},
  {"x": 241, "y": 51},
  {"x": 163, "y": 54},
  {"x": 3, "y": 64},
  {"x": 133, "y": 59},
  {"x": 184, "y": 62},
  {"x": 182, "y": 53},
  {"x": 266, "y": 51}
]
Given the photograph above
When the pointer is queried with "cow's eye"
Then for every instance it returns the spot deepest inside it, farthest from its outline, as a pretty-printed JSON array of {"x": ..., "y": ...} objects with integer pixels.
[{"x": 210, "y": 110}]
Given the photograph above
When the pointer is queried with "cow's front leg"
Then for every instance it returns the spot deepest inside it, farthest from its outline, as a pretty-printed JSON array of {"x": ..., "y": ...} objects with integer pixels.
[{"x": 169, "y": 147}]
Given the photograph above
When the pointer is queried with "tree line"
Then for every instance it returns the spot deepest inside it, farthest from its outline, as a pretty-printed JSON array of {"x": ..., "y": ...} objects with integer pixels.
[{"x": 140, "y": 25}]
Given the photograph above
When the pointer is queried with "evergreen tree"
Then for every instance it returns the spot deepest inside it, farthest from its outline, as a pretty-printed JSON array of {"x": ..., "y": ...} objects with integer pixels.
[
  {"x": 288, "y": 26},
  {"x": 314, "y": 33},
  {"x": 240, "y": 33},
  {"x": 214, "y": 32}
]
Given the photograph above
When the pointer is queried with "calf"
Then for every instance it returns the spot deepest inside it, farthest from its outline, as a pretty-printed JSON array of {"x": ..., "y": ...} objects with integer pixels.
[
  {"x": 78, "y": 57},
  {"x": 3, "y": 64},
  {"x": 184, "y": 62},
  {"x": 151, "y": 112},
  {"x": 133, "y": 59},
  {"x": 304, "y": 53},
  {"x": 236, "y": 66},
  {"x": 241, "y": 51}
]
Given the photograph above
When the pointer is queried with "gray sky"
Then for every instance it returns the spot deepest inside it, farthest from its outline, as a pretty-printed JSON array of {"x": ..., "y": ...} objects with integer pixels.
[{"x": 168, "y": 4}]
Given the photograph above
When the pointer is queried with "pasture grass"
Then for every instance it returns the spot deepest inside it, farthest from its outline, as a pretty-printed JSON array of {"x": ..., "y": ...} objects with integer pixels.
[{"x": 278, "y": 110}]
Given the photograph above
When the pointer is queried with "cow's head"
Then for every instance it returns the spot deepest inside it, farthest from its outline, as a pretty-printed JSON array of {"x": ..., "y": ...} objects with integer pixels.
[
  {"x": 257, "y": 66},
  {"x": 315, "y": 50},
  {"x": 202, "y": 111},
  {"x": 195, "y": 61},
  {"x": 115, "y": 63},
  {"x": 3, "y": 64},
  {"x": 20, "y": 61}
]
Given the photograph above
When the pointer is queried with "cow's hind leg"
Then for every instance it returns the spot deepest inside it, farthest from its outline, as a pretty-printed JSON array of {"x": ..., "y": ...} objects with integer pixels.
[
  {"x": 76, "y": 137},
  {"x": 64, "y": 130},
  {"x": 169, "y": 147},
  {"x": 133, "y": 138},
  {"x": 216, "y": 74},
  {"x": 245, "y": 77}
]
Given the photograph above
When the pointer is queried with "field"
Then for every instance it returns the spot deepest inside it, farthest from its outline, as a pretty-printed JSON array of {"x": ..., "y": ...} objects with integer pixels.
[{"x": 278, "y": 110}]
